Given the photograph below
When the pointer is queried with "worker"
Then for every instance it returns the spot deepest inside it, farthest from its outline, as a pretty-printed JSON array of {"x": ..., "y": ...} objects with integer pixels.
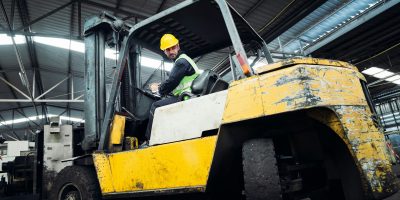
[{"x": 180, "y": 79}]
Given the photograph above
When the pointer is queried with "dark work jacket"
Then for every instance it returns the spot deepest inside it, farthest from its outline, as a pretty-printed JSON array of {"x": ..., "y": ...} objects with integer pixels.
[{"x": 181, "y": 69}]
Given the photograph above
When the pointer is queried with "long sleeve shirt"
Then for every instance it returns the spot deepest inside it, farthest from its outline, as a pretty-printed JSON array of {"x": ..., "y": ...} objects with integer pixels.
[{"x": 180, "y": 69}]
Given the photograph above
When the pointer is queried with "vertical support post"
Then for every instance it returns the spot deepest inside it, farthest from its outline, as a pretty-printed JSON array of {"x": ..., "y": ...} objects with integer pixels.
[
  {"x": 301, "y": 47},
  {"x": 233, "y": 69},
  {"x": 382, "y": 119},
  {"x": 394, "y": 116},
  {"x": 235, "y": 38},
  {"x": 34, "y": 83},
  {"x": 267, "y": 54},
  {"x": 72, "y": 87},
  {"x": 79, "y": 18},
  {"x": 95, "y": 101},
  {"x": 122, "y": 61}
]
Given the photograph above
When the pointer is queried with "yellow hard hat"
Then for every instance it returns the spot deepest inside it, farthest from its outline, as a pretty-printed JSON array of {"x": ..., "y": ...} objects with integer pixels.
[{"x": 167, "y": 41}]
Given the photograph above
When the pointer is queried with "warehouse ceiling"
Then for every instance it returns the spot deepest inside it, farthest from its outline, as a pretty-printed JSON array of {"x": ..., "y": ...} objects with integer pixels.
[{"x": 280, "y": 23}]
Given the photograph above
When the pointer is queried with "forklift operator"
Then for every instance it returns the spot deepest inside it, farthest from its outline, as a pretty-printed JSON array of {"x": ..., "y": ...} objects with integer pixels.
[{"x": 181, "y": 77}]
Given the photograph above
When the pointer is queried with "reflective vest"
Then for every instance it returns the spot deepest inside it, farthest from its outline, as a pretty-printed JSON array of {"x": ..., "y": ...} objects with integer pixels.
[{"x": 186, "y": 82}]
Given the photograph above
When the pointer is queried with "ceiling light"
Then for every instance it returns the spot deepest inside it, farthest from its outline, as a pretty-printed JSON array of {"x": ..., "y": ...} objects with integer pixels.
[
  {"x": 396, "y": 82},
  {"x": 372, "y": 70},
  {"x": 393, "y": 78},
  {"x": 109, "y": 53},
  {"x": 38, "y": 117},
  {"x": 6, "y": 40},
  {"x": 383, "y": 74}
]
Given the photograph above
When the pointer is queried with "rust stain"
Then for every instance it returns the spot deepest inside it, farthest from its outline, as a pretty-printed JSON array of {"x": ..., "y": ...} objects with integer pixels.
[{"x": 139, "y": 185}]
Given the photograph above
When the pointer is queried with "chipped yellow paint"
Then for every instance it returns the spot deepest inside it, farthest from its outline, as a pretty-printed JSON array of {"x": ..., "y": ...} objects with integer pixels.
[
  {"x": 314, "y": 83},
  {"x": 364, "y": 141},
  {"x": 245, "y": 97},
  {"x": 368, "y": 145},
  {"x": 183, "y": 164},
  {"x": 308, "y": 61},
  {"x": 293, "y": 88},
  {"x": 104, "y": 173}
]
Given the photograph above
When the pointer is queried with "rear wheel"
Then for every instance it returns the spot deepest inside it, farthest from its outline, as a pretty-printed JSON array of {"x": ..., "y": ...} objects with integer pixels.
[
  {"x": 261, "y": 176},
  {"x": 76, "y": 183}
]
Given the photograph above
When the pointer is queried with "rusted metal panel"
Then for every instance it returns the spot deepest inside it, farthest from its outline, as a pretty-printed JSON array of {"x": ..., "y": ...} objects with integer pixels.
[
  {"x": 334, "y": 85},
  {"x": 294, "y": 88},
  {"x": 366, "y": 144}
]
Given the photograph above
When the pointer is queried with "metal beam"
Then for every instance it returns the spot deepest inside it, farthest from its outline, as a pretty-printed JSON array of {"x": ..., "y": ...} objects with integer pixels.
[
  {"x": 52, "y": 106},
  {"x": 227, "y": 58},
  {"x": 12, "y": 13},
  {"x": 70, "y": 81},
  {"x": 52, "y": 88},
  {"x": 350, "y": 26},
  {"x": 76, "y": 74},
  {"x": 117, "y": 5},
  {"x": 41, "y": 101},
  {"x": 112, "y": 9},
  {"x": 24, "y": 78},
  {"x": 160, "y": 8},
  {"x": 27, "y": 25},
  {"x": 23, "y": 114},
  {"x": 8, "y": 127},
  {"x": 74, "y": 37},
  {"x": 8, "y": 80},
  {"x": 15, "y": 88},
  {"x": 254, "y": 7},
  {"x": 24, "y": 15},
  {"x": 23, "y": 74},
  {"x": 80, "y": 18}
]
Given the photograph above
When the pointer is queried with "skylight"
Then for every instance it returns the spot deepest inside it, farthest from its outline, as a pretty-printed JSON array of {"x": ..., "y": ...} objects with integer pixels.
[
  {"x": 80, "y": 47},
  {"x": 393, "y": 78},
  {"x": 259, "y": 63},
  {"x": 373, "y": 70},
  {"x": 39, "y": 117},
  {"x": 109, "y": 53},
  {"x": 383, "y": 74},
  {"x": 6, "y": 40},
  {"x": 342, "y": 16}
]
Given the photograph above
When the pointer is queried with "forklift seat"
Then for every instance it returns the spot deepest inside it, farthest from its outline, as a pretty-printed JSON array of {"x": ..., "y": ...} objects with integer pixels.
[{"x": 206, "y": 83}]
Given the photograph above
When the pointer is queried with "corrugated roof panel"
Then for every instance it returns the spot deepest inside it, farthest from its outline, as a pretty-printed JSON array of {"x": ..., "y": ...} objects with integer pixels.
[
  {"x": 143, "y": 7},
  {"x": 169, "y": 3},
  {"x": 308, "y": 22},
  {"x": 9, "y": 58},
  {"x": 53, "y": 57},
  {"x": 17, "y": 19},
  {"x": 335, "y": 14},
  {"x": 57, "y": 23},
  {"x": 263, "y": 14}
]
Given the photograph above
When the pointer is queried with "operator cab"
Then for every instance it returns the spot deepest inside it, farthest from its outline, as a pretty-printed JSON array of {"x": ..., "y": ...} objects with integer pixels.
[
  {"x": 222, "y": 29},
  {"x": 199, "y": 35}
]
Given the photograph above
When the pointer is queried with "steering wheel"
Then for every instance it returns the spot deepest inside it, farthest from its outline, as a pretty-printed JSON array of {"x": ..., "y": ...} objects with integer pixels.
[{"x": 149, "y": 94}]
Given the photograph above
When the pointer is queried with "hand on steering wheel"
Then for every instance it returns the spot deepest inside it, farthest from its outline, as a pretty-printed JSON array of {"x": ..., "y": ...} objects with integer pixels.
[{"x": 154, "y": 87}]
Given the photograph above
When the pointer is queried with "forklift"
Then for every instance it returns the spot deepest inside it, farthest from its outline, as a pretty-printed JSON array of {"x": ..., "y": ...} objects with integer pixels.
[{"x": 300, "y": 128}]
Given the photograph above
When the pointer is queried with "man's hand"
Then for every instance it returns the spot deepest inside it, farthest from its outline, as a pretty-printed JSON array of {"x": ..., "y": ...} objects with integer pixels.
[{"x": 154, "y": 87}]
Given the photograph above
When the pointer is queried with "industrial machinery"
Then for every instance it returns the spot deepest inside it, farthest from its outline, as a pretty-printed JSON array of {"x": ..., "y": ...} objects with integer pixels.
[{"x": 300, "y": 128}]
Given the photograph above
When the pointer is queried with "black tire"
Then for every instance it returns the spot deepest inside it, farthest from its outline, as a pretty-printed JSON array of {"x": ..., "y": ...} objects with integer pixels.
[
  {"x": 76, "y": 182},
  {"x": 261, "y": 177}
]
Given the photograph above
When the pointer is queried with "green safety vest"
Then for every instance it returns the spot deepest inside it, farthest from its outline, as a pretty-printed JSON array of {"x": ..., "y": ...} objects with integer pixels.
[{"x": 186, "y": 82}]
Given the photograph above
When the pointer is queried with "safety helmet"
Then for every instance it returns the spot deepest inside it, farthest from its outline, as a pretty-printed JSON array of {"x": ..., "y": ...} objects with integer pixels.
[{"x": 167, "y": 41}]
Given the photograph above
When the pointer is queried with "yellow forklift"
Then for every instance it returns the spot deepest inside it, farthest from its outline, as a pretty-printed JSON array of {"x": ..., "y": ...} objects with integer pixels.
[{"x": 301, "y": 128}]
